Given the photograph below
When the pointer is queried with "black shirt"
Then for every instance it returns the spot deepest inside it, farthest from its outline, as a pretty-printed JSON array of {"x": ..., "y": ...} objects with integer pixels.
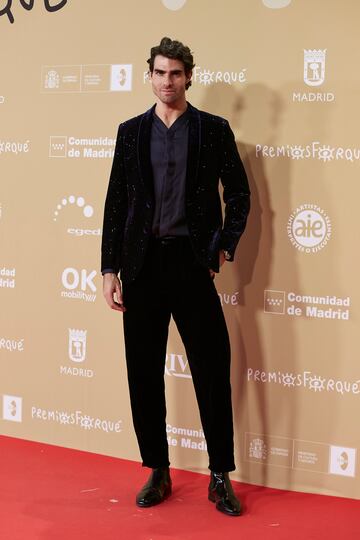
[{"x": 168, "y": 150}]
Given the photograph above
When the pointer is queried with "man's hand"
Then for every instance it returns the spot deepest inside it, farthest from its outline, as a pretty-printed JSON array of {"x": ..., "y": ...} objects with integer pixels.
[
  {"x": 221, "y": 262},
  {"x": 111, "y": 287}
]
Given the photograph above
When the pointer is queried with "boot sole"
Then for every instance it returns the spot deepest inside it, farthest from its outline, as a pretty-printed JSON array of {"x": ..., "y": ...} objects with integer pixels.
[
  {"x": 212, "y": 498},
  {"x": 167, "y": 493}
]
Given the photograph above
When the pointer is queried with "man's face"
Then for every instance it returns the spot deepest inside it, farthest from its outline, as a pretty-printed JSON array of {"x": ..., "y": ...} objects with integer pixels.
[{"x": 168, "y": 80}]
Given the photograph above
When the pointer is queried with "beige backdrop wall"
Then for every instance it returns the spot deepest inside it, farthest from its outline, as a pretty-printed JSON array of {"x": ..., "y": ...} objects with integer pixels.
[{"x": 284, "y": 73}]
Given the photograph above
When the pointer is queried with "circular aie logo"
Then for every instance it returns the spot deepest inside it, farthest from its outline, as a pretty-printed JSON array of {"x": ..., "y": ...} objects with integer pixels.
[{"x": 309, "y": 228}]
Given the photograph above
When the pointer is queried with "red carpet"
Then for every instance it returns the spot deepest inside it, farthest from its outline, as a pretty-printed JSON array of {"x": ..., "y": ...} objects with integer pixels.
[{"x": 52, "y": 493}]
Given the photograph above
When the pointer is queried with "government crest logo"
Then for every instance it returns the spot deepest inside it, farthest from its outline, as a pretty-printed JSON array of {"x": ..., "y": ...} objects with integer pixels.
[
  {"x": 314, "y": 67},
  {"x": 52, "y": 79},
  {"x": 274, "y": 302},
  {"x": 257, "y": 449},
  {"x": 77, "y": 345}
]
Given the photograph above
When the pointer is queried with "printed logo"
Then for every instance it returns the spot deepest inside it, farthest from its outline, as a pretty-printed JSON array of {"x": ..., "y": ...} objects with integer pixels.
[
  {"x": 14, "y": 147},
  {"x": 76, "y": 418},
  {"x": 314, "y": 67},
  {"x": 206, "y": 77},
  {"x": 177, "y": 366},
  {"x": 269, "y": 449},
  {"x": 77, "y": 345},
  {"x": 319, "y": 307},
  {"x": 314, "y": 75},
  {"x": 87, "y": 210},
  {"x": 12, "y": 344},
  {"x": 229, "y": 299},
  {"x": 306, "y": 379},
  {"x": 309, "y": 228},
  {"x": 80, "y": 206},
  {"x": 7, "y": 278},
  {"x": 274, "y": 302},
  {"x": 174, "y": 5},
  {"x": 77, "y": 353},
  {"x": 62, "y": 146},
  {"x": 257, "y": 449},
  {"x": 299, "y": 454},
  {"x": 58, "y": 146},
  {"x": 311, "y": 456},
  {"x": 276, "y": 4},
  {"x": 193, "y": 439},
  {"x": 314, "y": 150},
  {"x": 12, "y": 408},
  {"x": 79, "y": 284},
  {"x": 121, "y": 77},
  {"x": 86, "y": 78},
  {"x": 342, "y": 461},
  {"x": 52, "y": 79}
]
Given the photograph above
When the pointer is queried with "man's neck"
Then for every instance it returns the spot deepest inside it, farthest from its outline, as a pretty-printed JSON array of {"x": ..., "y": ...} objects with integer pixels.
[{"x": 168, "y": 114}]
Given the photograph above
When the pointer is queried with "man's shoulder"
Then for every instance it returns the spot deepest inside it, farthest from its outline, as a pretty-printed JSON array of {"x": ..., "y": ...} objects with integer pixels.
[
  {"x": 127, "y": 126},
  {"x": 205, "y": 115},
  {"x": 211, "y": 119},
  {"x": 131, "y": 123}
]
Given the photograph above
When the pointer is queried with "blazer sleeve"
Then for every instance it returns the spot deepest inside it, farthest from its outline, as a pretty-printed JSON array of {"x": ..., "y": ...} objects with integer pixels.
[
  {"x": 236, "y": 192},
  {"x": 115, "y": 211}
]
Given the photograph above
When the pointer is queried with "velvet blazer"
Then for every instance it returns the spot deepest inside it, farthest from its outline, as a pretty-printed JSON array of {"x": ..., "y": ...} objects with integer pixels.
[{"x": 129, "y": 204}]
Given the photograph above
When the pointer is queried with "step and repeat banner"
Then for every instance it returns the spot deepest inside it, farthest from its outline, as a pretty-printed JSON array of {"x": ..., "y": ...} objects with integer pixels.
[{"x": 284, "y": 73}]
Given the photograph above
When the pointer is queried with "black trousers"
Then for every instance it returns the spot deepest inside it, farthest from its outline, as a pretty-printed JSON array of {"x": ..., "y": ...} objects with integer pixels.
[{"x": 172, "y": 282}]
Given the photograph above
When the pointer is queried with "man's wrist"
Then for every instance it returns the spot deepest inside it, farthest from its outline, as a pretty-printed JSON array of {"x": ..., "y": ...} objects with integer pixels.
[{"x": 108, "y": 271}]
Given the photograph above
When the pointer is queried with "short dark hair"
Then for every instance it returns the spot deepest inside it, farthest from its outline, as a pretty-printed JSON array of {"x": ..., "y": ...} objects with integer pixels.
[{"x": 172, "y": 49}]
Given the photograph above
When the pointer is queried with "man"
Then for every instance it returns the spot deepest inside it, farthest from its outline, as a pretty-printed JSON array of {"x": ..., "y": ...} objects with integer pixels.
[{"x": 163, "y": 230}]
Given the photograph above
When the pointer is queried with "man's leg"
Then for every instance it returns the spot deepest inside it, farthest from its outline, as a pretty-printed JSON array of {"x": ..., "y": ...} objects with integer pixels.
[
  {"x": 146, "y": 322},
  {"x": 202, "y": 327},
  {"x": 199, "y": 318}
]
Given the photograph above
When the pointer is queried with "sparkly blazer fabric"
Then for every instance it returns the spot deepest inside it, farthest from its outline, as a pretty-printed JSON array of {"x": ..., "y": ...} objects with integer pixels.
[{"x": 129, "y": 205}]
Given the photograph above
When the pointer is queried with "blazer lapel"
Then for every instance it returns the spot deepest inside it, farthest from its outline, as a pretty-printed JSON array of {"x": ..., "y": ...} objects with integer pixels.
[
  {"x": 143, "y": 150},
  {"x": 193, "y": 148}
]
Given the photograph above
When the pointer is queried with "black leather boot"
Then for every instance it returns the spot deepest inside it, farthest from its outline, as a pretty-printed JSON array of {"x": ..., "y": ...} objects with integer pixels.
[
  {"x": 156, "y": 489},
  {"x": 222, "y": 494}
]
